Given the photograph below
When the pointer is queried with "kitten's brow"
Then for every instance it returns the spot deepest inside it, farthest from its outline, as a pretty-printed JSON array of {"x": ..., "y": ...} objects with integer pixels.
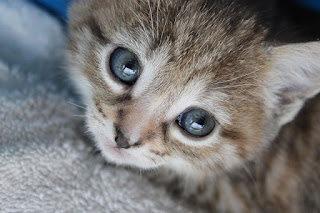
[{"x": 97, "y": 31}]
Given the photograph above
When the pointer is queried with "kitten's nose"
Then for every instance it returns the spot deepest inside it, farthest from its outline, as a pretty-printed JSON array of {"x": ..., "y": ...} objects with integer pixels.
[{"x": 121, "y": 140}]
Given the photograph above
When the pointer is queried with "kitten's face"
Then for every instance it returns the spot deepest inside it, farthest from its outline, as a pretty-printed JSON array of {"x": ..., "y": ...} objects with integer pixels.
[{"x": 170, "y": 83}]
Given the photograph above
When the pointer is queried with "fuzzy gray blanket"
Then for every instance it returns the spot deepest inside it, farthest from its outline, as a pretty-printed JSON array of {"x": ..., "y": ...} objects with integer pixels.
[{"x": 46, "y": 165}]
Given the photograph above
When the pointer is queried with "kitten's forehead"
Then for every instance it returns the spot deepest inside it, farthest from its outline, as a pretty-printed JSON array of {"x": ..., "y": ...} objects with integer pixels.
[{"x": 196, "y": 30}]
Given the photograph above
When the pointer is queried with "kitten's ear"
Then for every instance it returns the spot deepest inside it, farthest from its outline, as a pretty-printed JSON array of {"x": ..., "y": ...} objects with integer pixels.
[{"x": 294, "y": 77}]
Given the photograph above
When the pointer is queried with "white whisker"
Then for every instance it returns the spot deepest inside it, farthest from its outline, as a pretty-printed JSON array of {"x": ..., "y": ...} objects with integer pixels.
[
  {"x": 87, "y": 132},
  {"x": 80, "y": 116},
  {"x": 81, "y": 107},
  {"x": 236, "y": 78},
  {"x": 164, "y": 27},
  {"x": 151, "y": 18},
  {"x": 240, "y": 85},
  {"x": 251, "y": 177},
  {"x": 140, "y": 21},
  {"x": 158, "y": 8},
  {"x": 193, "y": 62},
  {"x": 96, "y": 150}
]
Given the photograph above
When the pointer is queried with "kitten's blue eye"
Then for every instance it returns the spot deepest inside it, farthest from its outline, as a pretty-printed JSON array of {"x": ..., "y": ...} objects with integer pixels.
[
  {"x": 125, "y": 66},
  {"x": 196, "y": 122}
]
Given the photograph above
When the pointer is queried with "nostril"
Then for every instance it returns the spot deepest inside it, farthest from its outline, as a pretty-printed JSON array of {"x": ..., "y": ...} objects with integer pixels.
[
  {"x": 137, "y": 144},
  {"x": 121, "y": 140}
]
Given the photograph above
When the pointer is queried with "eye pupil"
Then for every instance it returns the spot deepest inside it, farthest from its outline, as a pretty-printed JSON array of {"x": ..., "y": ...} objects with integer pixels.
[
  {"x": 125, "y": 66},
  {"x": 196, "y": 122},
  {"x": 198, "y": 125},
  {"x": 129, "y": 69},
  {"x": 130, "y": 65}
]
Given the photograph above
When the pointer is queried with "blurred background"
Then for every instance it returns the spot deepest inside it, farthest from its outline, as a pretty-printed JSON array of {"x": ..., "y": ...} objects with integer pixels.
[{"x": 302, "y": 18}]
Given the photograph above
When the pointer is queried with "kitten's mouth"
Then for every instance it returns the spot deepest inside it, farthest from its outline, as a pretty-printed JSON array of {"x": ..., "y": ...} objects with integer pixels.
[
  {"x": 116, "y": 152},
  {"x": 119, "y": 155}
]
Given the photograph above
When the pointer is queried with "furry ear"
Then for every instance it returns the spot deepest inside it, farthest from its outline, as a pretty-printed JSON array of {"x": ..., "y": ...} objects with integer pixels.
[{"x": 294, "y": 77}]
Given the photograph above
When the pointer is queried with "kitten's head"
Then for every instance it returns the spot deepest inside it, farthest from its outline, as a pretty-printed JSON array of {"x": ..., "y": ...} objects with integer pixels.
[{"x": 191, "y": 85}]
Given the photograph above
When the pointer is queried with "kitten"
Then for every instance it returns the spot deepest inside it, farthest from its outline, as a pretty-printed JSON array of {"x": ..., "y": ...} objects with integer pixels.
[{"x": 198, "y": 88}]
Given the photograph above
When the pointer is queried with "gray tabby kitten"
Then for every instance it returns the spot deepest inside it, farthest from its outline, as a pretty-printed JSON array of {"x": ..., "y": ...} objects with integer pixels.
[{"x": 197, "y": 88}]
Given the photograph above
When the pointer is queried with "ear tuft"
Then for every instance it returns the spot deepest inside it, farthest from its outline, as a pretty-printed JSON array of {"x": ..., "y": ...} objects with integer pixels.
[{"x": 294, "y": 77}]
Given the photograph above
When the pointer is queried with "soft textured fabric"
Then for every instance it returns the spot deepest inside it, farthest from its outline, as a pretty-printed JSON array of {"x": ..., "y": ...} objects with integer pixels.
[{"x": 46, "y": 165}]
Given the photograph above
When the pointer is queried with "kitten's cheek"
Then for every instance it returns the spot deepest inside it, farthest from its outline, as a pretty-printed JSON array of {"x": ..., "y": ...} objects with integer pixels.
[{"x": 102, "y": 132}]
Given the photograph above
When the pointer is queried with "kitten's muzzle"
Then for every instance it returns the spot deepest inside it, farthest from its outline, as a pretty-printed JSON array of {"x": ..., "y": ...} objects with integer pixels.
[{"x": 121, "y": 140}]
